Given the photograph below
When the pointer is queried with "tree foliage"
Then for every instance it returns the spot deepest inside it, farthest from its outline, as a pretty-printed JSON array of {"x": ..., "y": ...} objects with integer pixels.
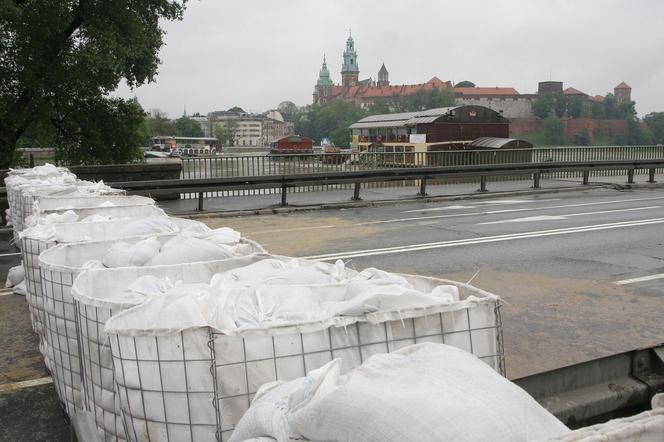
[
  {"x": 187, "y": 127},
  {"x": 554, "y": 131},
  {"x": 465, "y": 83},
  {"x": 83, "y": 138},
  {"x": 60, "y": 56},
  {"x": 655, "y": 122},
  {"x": 158, "y": 124},
  {"x": 237, "y": 109}
]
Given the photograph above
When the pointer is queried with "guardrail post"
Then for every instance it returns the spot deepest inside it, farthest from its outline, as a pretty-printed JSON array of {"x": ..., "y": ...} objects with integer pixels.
[
  {"x": 586, "y": 177},
  {"x": 32, "y": 160},
  {"x": 630, "y": 176},
  {"x": 536, "y": 180},
  {"x": 423, "y": 187},
  {"x": 356, "y": 192},
  {"x": 200, "y": 201},
  {"x": 284, "y": 188},
  {"x": 482, "y": 184},
  {"x": 651, "y": 176}
]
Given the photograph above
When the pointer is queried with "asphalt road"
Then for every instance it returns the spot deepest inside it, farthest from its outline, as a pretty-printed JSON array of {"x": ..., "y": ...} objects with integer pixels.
[{"x": 570, "y": 266}]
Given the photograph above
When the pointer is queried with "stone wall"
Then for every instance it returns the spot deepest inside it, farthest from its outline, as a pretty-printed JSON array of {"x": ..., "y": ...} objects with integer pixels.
[{"x": 511, "y": 107}]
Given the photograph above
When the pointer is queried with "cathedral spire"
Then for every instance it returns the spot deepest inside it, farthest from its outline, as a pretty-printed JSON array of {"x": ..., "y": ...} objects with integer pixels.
[
  {"x": 324, "y": 75},
  {"x": 350, "y": 70}
]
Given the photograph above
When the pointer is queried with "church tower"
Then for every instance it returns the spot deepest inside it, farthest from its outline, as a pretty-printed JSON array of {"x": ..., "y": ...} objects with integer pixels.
[
  {"x": 623, "y": 93},
  {"x": 350, "y": 71},
  {"x": 383, "y": 76},
  {"x": 323, "y": 88}
]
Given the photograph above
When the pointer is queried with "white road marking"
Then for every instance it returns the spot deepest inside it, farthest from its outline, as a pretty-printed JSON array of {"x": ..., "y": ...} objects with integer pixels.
[
  {"x": 493, "y": 212},
  {"x": 290, "y": 230},
  {"x": 641, "y": 279},
  {"x": 564, "y": 217},
  {"x": 5, "y": 388},
  {"x": 6, "y": 292},
  {"x": 482, "y": 240},
  {"x": 10, "y": 254},
  {"x": 477, "y": 203}
]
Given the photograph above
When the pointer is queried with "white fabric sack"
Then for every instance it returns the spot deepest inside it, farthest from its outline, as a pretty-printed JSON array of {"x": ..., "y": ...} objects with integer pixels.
[
  {"x": 273, "y": 293},
  {"x": 20, "y": 289},
  {"x": 15, "y": 276},
  {"x": 424, "y": 392},
  {"x": 124, "y": 254},
  {"x": 149, "y": 226},
  {"x": 185, "y": 248}
]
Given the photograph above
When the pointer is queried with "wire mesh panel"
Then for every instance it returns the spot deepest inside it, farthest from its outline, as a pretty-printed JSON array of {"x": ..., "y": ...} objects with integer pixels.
[
  {"x": 30, "y": 251},
  {"x": 97, "y": 369},
  {"x": 60, "y": 329},
  {"x": 195, "y": 385},
  {"x": 97, "y": 297}
]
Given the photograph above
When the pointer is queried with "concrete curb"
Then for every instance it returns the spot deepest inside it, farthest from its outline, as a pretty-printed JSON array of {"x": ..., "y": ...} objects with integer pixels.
[{"x": 377, "y": 203}]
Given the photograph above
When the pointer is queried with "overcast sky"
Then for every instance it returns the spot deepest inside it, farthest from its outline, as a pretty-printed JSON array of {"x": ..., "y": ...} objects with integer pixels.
[{"x": 255, "y": 54}]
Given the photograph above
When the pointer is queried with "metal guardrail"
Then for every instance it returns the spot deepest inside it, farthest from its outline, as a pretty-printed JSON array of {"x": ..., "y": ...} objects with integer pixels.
[
  {"x": 284, "y": 182},
  {"x": 601, "y": 389},
  {"x": 264, "y": 164}
]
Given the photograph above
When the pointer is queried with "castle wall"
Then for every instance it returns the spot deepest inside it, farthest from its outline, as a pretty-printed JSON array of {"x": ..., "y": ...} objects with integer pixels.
[{"x": 511, "y": 107}]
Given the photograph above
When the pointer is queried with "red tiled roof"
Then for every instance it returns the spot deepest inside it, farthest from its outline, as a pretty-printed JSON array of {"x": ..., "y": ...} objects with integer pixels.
[
  {"x": 597, "y": 98},
  {"x": 486, "y": 90},
  {"x": 572, "y": 91},
  {"x": 622, "y": 85}
]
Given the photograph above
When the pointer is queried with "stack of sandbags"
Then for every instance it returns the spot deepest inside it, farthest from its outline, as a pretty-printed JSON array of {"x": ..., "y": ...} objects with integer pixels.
[
  {"x": 48, "y": 298},
  {"x": 192, "y": 356}
]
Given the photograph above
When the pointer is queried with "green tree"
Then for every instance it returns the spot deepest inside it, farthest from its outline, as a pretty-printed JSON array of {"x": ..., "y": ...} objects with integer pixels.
[
  {"x": 554, "y": 131},
  {"x": 574, "y": 107},
  {"x": 56, "y": 55},
  {"x": 158, "y": 124},
  {"x": 655, "y": 122},
  {"x": 288, "y": 110},
  {"x": 543, "y": 105},
  {"x": 465, "y": 83},
  {"x": 222, "y": 134},
  {"x": 83, "y": 139},
  {"x": 237, "y": 109},
  {"x": 582, "y": 138},
  {"x": 187, "y": 127}
]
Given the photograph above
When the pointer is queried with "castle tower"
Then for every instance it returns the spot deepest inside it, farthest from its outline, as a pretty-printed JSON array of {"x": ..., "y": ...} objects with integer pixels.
[
  {"x": 350, "y": 71},
  {"x": 383, "y": 76},
  {"x": 623, "y": 93},
  {"x": 322, "y": 90}
]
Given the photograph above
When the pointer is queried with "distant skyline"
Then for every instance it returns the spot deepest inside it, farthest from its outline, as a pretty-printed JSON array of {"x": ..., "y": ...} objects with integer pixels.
[{"x": 256, "y": 54}]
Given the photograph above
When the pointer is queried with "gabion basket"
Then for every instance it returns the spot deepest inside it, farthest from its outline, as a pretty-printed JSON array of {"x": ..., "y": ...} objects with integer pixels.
[
  {"x": 59, "y": 316},
  {"x": 97, "y": 297},
  {"x": 195, "y": 384}
]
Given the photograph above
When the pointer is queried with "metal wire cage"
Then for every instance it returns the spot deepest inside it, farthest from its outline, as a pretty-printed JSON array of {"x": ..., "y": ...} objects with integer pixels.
[
  {"x": 93, "y": 299},
  {"x": 51, "y": 303},
  {"x": 195, "y": 385}
]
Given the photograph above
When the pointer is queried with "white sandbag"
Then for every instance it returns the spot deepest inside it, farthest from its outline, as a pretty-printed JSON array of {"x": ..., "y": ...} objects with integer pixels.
[
  {"x": 148, "y": 226},
  {"x": 182, "y": 249},
  {"x": 15, "y": 276},
  {"x": 425, "y": 392},
  {"x": 20, "y": 289},
  {"x": 295, "y": 292},
  {"x": 124, "y": 254},
  {"x": 227, "y": 367}
]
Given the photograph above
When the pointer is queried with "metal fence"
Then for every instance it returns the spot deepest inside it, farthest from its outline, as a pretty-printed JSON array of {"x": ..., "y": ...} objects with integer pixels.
[{"x": 266, "y": 164}]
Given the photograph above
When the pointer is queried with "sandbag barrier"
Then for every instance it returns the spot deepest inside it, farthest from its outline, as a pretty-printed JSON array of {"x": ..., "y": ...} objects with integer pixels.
[
  {"x": 86, "y": 318},
  {"x": 197, "y": 383}
]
